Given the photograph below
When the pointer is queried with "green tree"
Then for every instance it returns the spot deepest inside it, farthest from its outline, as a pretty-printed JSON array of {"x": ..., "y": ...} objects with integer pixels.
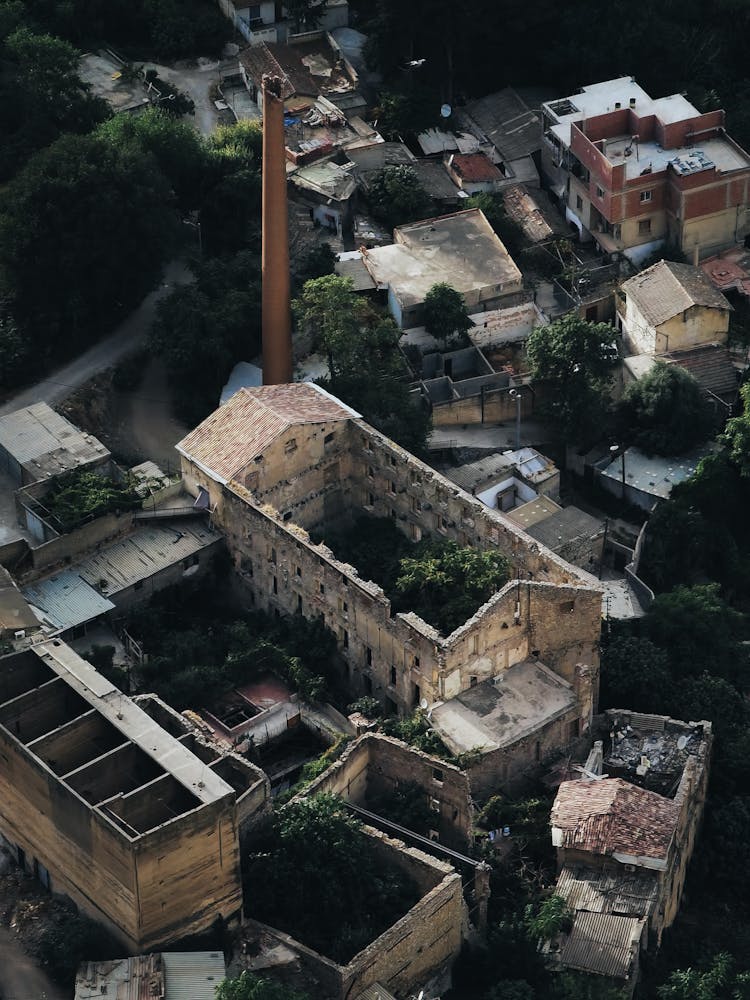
[
  {"x": 179, "y": 151},
  {"x": 699, "y": 632},
  {"x": 203, "y": 329},
  {"x": 736, "y": 437},
  {"x": 635, "y": 674},
  {"x": 511, "y": 989},
  {"x": 396, "y": 196},
  {"x": 575, "y": 360},
  {"x": 320, "y": 880},
  {"x": 366, "y": 369},
  {"x": 445, "y": 583},
  {"x": 41, "y": 94},
  {"x": 491, "y": 205},
  {"x": 665, "y": 412},
  {"x": 549, "y": 919},
  {"x": 720, "y": 981},
  {"x": 248, "y": 986},
  {"x": 445, "y": 314},
  {"x": 91, "y": 226}
]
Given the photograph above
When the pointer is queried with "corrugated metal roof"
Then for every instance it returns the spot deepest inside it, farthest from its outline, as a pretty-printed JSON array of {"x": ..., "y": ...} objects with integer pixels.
[
  {"x": 39, "y": 437},
  {"x": 145, "y": 552},
  {"x": 375, "y": 992},
  {"x": 627, "y": 894},
  {"x": 137, "y": 978},
  {"x": 612, "y": 817},
  {"x": 192, "y": 975},
  {"x": 513, "y": 128},
  {"x": 230, "y": 438},
  {"x": 66, "y": 600},
  {"x": 604, "y": 944}
]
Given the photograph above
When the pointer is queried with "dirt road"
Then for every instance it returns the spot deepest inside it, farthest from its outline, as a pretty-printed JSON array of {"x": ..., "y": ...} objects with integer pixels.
[
  {"x": 128, "y": 336},
  {"x": 20, "y": 978}
]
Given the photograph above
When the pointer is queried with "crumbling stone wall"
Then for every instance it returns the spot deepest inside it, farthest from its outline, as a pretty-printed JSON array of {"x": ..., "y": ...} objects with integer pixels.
[{"x": 375, "y": 764}]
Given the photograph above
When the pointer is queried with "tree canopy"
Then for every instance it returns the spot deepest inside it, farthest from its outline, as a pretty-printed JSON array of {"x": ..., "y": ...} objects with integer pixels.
[
  {"x": 396, "y": 196},
  {"x": 665, "y": 412},
  {"x": 366, "y": 368},
  {"x": 575, "y": 359},
  {"x": 445, "y": 314},
  {"x": 89, "y": 224}
]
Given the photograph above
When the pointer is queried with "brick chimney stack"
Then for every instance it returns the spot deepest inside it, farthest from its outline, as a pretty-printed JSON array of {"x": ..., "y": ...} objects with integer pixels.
[{"x": 277, "y": 321}]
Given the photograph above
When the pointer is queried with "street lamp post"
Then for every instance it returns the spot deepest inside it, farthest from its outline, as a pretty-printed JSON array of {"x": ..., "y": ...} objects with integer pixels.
[{"x": 516, "y": 395}]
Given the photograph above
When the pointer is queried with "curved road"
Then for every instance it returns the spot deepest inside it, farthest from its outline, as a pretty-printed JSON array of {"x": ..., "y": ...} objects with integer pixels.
[{"x": 128, "y": 336}]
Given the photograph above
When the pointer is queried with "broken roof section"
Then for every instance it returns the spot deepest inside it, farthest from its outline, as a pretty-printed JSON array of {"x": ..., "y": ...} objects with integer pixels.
[
  {"x": 653, "y": 750},
  {"x": 613, "y": 818},
  {"x": 667, "y": 289},
  {"x": 175, "y": 975},
  {"x": 533, "y": 213},
  {"x": 243, "y": 427},
  {"x": 326, "y": 179},
  {"x": 503, "y": 710}
]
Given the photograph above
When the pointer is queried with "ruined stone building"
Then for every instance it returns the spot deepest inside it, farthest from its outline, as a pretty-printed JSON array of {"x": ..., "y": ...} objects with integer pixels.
[
  {"x": 277, "y": 464},
  {"x": 138, "y": 825},
  {"x": 624, "y": 834}
]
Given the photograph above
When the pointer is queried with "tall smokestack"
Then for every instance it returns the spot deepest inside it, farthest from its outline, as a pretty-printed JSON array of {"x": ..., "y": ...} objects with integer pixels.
[{"x": 277, "y": 321}]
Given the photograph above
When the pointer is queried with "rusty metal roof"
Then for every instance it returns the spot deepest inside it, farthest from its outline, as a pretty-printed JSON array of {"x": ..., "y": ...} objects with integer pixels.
[
  {"x": 243, "y": 427},
  {"x": 614, "y": 818},
  {"x": 604, "y": 944},
  {"x": 475, "y": 167},
  {"x": 627, "y": 894}
]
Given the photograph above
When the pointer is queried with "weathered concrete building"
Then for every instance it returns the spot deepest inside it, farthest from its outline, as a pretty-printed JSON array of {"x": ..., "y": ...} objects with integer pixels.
[
  {"x": 139, "y": 827},
  {"x": 280, "y": 463},
  {"x": 671, "y": 307}
]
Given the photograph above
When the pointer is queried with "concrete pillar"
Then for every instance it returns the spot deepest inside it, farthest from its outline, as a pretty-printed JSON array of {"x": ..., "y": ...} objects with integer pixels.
[
  {"x": 481, "y": 896},
  {"x": 276, "y": 309}
]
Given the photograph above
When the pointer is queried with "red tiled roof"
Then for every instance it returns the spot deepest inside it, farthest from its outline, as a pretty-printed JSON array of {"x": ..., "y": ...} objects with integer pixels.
[
  {"x": 475, "y": 167},
  {"x": 230, "y": 438},
  {"x": 611, "y": 817}
]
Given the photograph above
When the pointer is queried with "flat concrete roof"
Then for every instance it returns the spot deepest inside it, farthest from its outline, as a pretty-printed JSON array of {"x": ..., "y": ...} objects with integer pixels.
[
  {"x": 104, "y": 75},
  {"x": 501, "y": 711},
  {"x": 565, "y": 525},
  {"x": 533, "y": 511},
  {"x": 460, "y": 249},
  {"x": 654, "y": 474}
]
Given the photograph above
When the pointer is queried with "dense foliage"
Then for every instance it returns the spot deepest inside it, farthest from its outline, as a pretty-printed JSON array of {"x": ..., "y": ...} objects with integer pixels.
[
  {"x": 445, "y": 315},
  {"x": 248, "y": 986},
  {"x": 665, "y": 412},
  {"x": 199, "y": 647},
  {"x": 396, "y": 196},
  {"x": 82, "y": 495},
  {"x": 366, "y": 368},
  {"x": 439, "y": 580},
  {"x": 319, "y": 879},
  {"x": 202, "y": 329},
  {"x": 574, "y": 359}
]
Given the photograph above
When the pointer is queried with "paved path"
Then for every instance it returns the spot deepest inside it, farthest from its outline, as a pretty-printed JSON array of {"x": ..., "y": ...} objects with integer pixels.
[
  {"x": 20, "y": 978},
  {"x": 128, "y": 336}
]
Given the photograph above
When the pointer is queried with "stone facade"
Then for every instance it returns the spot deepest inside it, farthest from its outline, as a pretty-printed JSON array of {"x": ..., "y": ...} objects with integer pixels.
[
  {"x": 422, "y": 944},
  {"x": 318, "y": 474},
  {"x": 375, "y": 764}
]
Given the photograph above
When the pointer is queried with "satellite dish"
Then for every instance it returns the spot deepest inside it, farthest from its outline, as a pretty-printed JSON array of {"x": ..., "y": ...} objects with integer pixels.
[
  {"x": 423, "y": 703},
  {"x": 446, "y": 111}
]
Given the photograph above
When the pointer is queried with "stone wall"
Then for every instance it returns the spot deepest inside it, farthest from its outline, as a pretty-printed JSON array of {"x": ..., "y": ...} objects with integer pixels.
[
  {"x": 422, "y": 943},
  {"x": 375, "y": 764}
]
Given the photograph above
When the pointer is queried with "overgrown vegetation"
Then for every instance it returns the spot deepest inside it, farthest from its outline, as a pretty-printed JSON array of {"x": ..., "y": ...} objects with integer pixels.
[
  {"x": 665, "y": 412},
  {"x": 248, "y": 986},
  {"x": 318, "y": 878},
  {"x": 366, "y": 369},
  {"x": 396, "y": 196},
  {"x": 199, "y": 647},
  {"x": 441, "y": 581},
  {"x": 81, "y": 495}
]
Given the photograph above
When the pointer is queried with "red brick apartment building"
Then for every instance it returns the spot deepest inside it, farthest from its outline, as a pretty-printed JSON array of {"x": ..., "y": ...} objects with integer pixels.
[{"x": 633, "y": 173}]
